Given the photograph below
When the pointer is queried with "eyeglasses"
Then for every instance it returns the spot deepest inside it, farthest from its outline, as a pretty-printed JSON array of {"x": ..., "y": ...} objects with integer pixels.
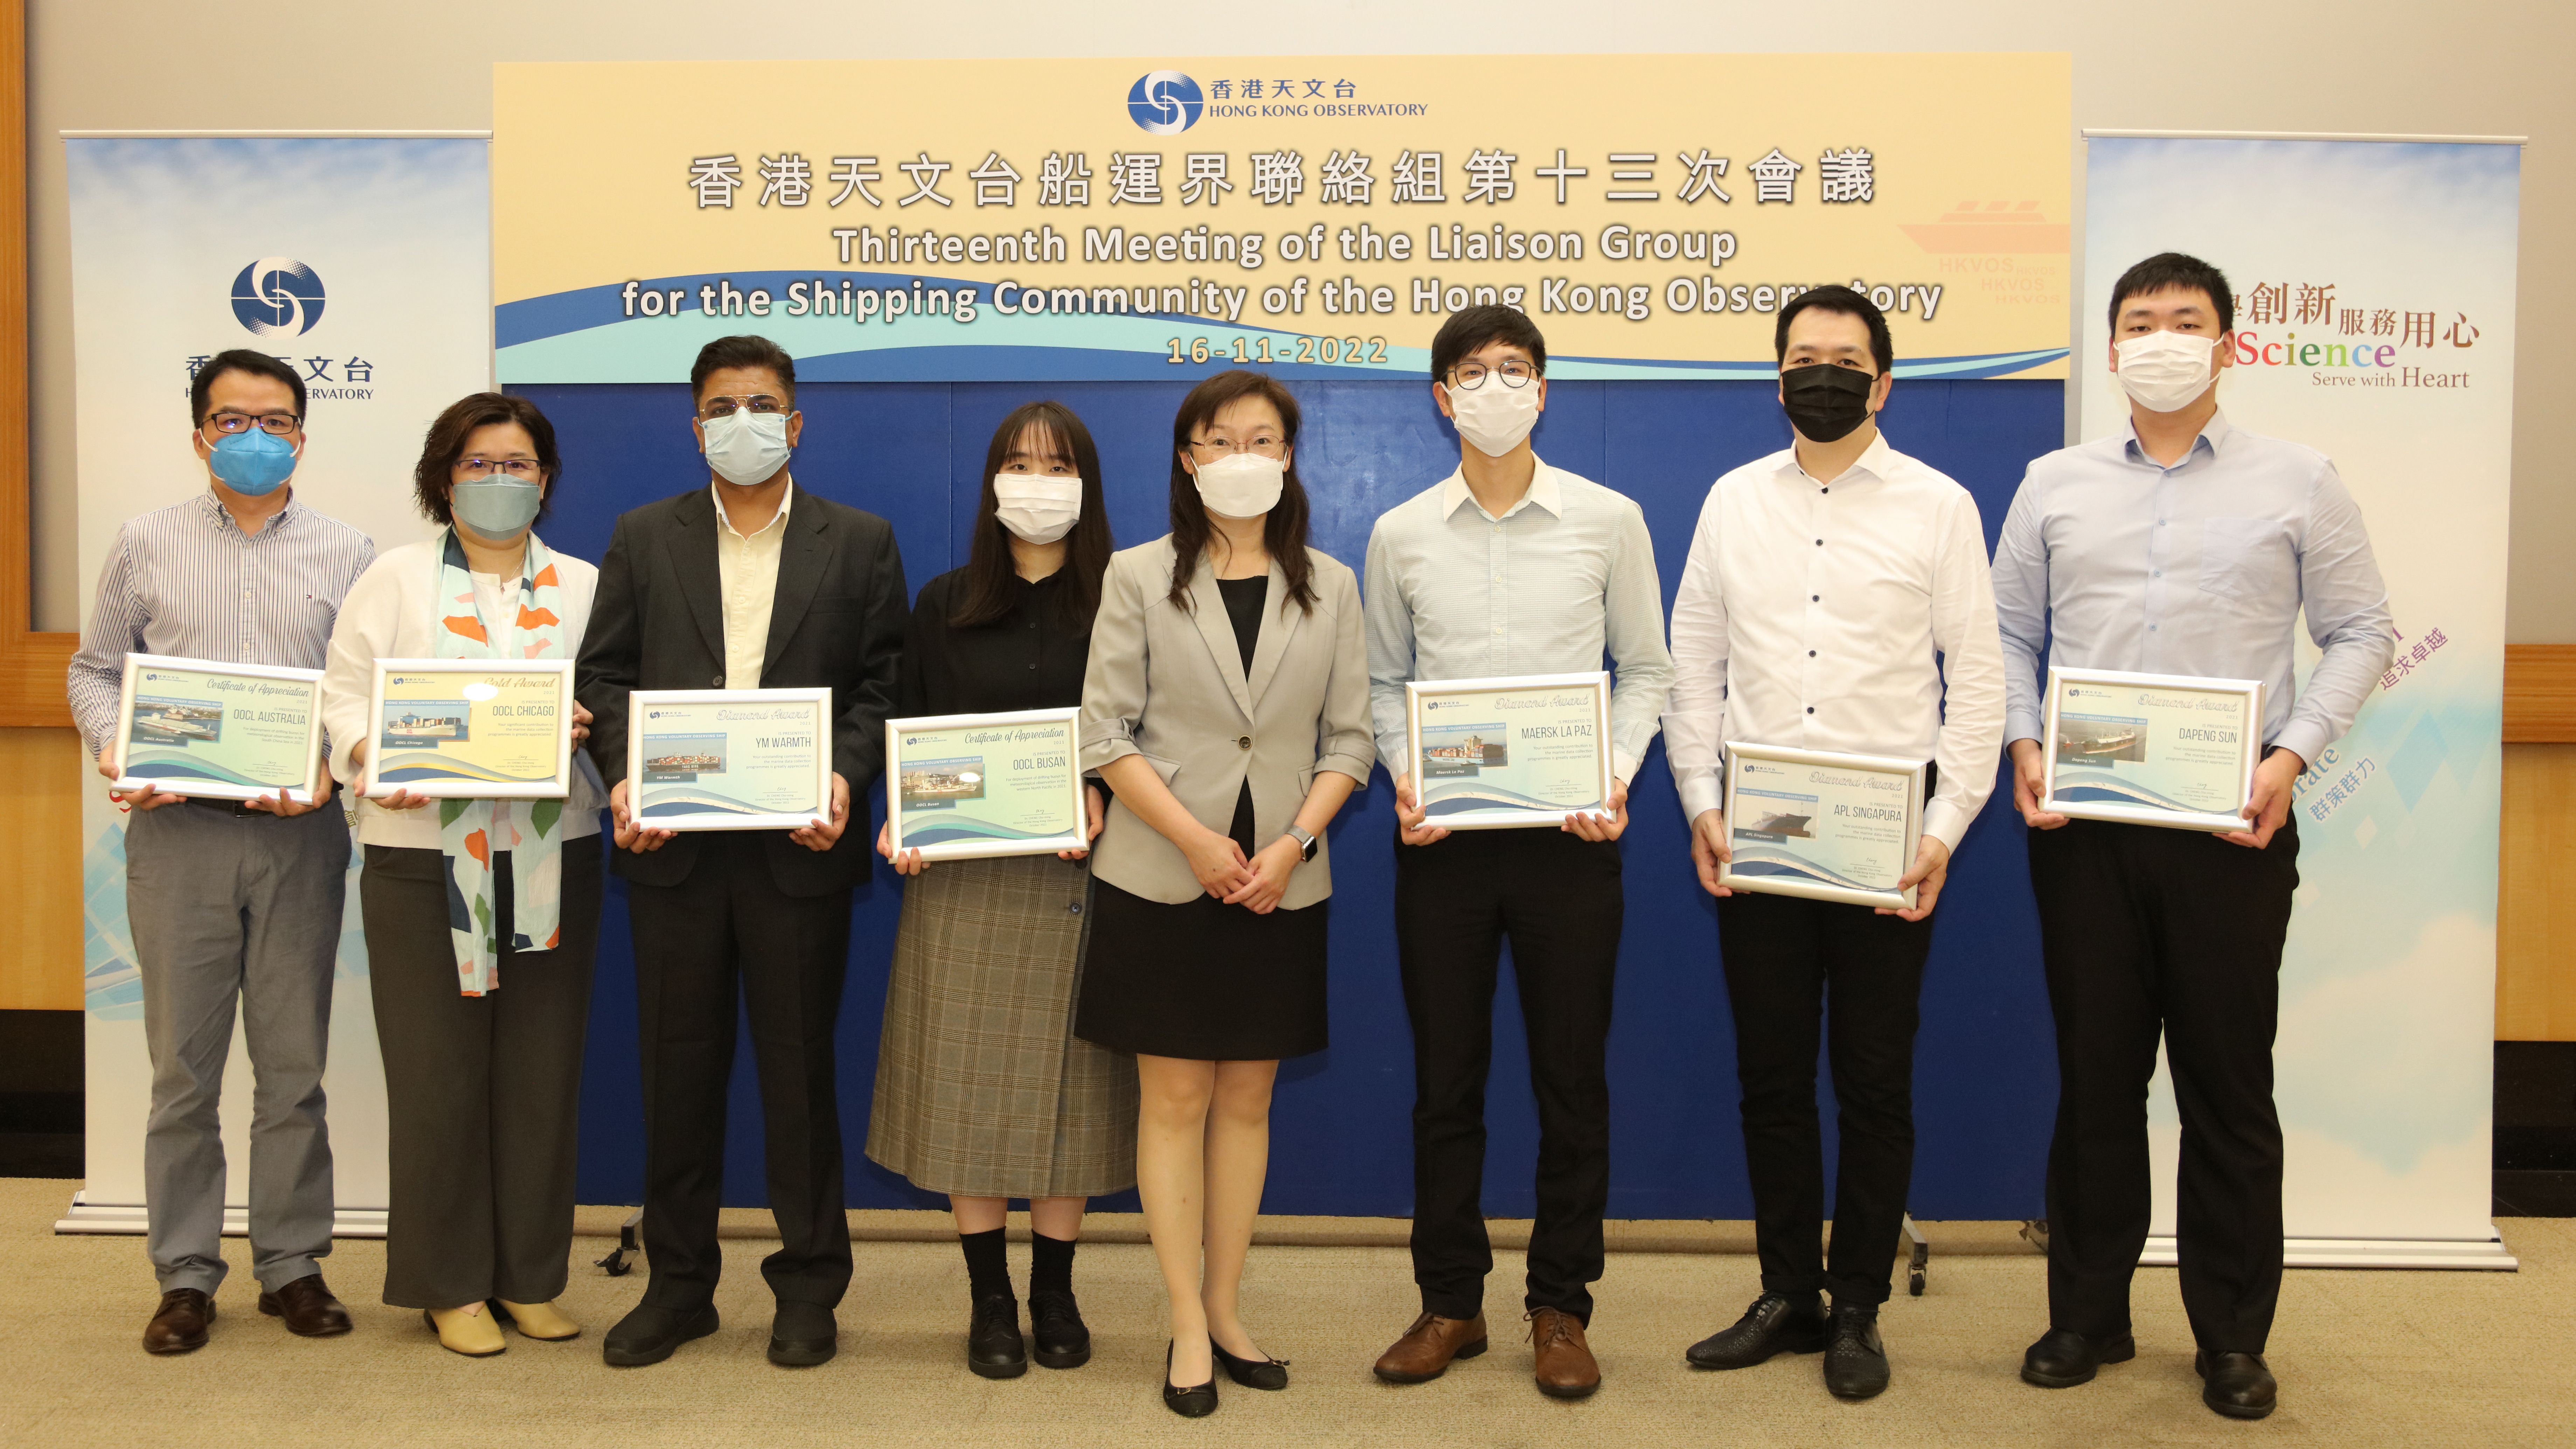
[
  {"x": 231, "y": 424},
  {"x": 524, "y": 469},
  {"x": 1468, "y": 376},
  {"x": 725, "y": 407},
  {"x": 1214, "y": 448}
]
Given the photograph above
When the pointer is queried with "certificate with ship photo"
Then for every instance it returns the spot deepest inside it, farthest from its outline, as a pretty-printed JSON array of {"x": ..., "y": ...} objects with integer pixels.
[
  {"x": 1499, "y": 753},
  {"x": 1822, "y": 824},
  {"x": 2152, "y": 749},
  {"x": 484, "y": 729},
  {"x": 963, "y": 786},
  {"x": 729, "y": 759},
  {"x": 221, "y": 731}
]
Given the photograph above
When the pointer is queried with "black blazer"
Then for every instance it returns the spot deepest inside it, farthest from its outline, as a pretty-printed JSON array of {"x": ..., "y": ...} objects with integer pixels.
[{"x": 838, "y": 620}]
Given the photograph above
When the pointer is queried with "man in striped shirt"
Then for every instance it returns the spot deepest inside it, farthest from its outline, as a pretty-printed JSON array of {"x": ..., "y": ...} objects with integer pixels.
[{"x": 231, "y": 905}]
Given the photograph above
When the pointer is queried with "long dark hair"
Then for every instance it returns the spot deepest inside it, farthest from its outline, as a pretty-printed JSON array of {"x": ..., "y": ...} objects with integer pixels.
[
  {"x": 991, "y": 574},
  {"x": 1283, "y": 533}
]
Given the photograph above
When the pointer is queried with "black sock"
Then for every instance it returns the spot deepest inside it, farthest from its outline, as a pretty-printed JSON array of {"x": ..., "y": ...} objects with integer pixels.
[
  {"x": 1051, "y": 1267},
  {"x": 988, "y": 1268}
]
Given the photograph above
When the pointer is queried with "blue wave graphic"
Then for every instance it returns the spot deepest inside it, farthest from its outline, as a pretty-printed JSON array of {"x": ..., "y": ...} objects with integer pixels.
[
  {"x": 540, "y": 340},
  {"x": 947, "y": 830},
  {"x": 2121, "y": 793},
  {"x": 1781, "y": 863},
  {"x": 149, "y": 769},
  {"x": 1462, "y": 799}
]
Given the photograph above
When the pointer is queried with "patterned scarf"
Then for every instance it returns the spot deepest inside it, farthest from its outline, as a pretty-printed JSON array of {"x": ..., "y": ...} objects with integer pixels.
[{"x": 469, "y": 831}]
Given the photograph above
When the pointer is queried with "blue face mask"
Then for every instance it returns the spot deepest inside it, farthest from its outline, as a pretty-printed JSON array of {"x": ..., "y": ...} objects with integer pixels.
[
  {"x": 494, "y": 507},
  {"x": 253, "y": 463}
]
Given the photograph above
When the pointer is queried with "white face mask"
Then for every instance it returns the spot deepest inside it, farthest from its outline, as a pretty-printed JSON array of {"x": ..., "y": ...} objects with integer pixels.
[
  {"x": 2163, "y": 371},
  {"x": 1492, "y": 416},
  {"x": 1036, "y": 506},
  {"x": 746, "y": 447},
  {"x": 1242, "y": 485}
]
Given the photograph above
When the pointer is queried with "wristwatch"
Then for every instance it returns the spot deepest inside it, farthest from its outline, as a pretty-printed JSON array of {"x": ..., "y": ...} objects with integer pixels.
[{"x": 1305, "y": 843}]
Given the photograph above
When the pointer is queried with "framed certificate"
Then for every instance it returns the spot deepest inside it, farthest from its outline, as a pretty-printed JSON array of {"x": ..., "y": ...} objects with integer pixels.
[
  {"x": 223, "y": 731},
  {"x": 1496, "y": 753},
  {"x": 484, "y": 729},
  {"x": 1817, "y": 823},
  {"x": 2152, "y": 749},
  {"x": 962, "y": 786},
  {"x": 729, "y": 759}
]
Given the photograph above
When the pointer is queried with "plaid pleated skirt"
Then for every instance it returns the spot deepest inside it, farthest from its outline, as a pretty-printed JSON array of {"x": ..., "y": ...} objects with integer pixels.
[{"x": 982, "y": 1088}]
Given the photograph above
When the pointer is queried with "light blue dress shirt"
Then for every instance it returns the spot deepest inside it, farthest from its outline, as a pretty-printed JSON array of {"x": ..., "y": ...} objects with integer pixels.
[
  {"x": 2110, "y": 560},
  {"x": 1564, "y": 576}
]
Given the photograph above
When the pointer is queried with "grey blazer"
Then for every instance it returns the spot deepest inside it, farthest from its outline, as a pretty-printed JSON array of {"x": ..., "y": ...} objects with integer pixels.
[{"x": 1170, "y": 685}]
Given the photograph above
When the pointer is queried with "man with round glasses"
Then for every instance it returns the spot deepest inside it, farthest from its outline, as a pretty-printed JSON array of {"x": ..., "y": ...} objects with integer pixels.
[
  {"x": 1509, "y": 567},
  {"x": 233, "y": 907}
]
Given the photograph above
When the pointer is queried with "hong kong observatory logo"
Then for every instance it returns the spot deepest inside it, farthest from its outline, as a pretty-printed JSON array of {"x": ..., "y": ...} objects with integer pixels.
[
  {"x": 1165, "y": 102},
  {"x": 278, "y": 297}
]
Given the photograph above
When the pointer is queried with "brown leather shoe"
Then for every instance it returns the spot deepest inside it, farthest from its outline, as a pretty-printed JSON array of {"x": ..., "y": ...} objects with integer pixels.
[
  {"x": 308, "y": 1308},
  {"x": 179, "y": 1324},
  {"x": 1565, "y": 1366},
  {"x": 1423, "y": 1354}
]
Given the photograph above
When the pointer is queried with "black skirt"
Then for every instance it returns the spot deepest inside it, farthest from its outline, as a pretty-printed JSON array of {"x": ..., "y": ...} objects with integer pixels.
[{"x": 1202, "y": 980}]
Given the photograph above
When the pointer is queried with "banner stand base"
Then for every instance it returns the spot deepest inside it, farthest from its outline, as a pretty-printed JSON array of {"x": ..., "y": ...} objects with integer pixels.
[
  {"x": 2475, "y": 1255},
  {"x": 130, "y": 1218}
]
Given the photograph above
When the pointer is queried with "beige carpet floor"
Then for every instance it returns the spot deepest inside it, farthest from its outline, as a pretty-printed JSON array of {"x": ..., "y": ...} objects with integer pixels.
[{"x": 2365, "y": 1359}]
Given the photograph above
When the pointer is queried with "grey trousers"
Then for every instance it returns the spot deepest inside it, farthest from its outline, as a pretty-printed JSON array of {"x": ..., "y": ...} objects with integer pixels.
[
  {"x": 482, "y": 1093},
  {"x": 230, "y": 909}
]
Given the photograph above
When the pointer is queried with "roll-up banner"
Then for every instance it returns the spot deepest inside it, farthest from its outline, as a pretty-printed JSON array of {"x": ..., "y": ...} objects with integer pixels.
[
  {"x": 1318, "y": 217},
  {"x": 2374, "y": 293},
  {"x": 361, "y": 262}
]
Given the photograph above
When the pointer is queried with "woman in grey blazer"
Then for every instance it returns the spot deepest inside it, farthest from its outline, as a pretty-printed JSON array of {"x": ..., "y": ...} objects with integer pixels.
[{"x": 1226, "y": 705}]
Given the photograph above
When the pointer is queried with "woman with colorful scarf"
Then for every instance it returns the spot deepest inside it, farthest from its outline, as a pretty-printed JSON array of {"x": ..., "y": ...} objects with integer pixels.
[{"x": 481, "y": 915}]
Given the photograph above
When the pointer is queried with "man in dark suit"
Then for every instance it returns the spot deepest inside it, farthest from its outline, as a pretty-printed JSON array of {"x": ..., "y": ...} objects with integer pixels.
[{"x": 746, "y": 584}]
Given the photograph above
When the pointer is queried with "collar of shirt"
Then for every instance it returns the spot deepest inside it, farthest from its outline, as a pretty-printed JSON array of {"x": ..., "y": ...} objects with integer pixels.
[
  {"x": 1874, "y": 460},
  {"x": 221, "y": 518},
  {"x": 776, "y": 520},
  {"x": 2213, "y": 436},
  {"x": 1543, "y": 491}
]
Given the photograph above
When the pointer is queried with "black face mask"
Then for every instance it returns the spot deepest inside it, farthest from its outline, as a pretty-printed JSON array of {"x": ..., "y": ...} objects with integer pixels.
[{"x": 1825, "y": 402}]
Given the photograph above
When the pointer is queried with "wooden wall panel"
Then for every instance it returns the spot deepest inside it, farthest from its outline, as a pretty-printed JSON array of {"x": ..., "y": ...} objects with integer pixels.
[
  {"x": 2536, "y": 904},
  {"x": 40, "y": 892},
  {"x": 2539, "y": 694}
]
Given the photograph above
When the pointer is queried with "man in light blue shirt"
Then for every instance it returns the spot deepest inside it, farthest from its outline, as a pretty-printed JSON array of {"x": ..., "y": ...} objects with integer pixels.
[
  {"x": 2181, "y": 546},
  {"x": 1509, "y": 567}
]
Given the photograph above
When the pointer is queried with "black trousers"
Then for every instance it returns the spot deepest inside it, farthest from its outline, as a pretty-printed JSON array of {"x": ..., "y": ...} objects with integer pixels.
[
  {"x": 2151, "y": 933},
  {"x": 1792, "y": 963},
  {"x": 724, "y": 930},
  {"x": 1557, "y": 896},
  {"x": 482, "y": 1093}
]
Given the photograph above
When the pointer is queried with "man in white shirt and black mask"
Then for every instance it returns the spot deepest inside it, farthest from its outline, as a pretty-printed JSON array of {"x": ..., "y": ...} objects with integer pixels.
[{"x": 1828, "y": 586}]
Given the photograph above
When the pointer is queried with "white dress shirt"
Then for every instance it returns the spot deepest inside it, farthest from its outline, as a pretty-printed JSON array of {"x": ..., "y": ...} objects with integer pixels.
[
  {"x": 2111, "y": 560},
  {"x": 1564, "y": 575},
  {"x": 747, "y": 569},
  {"x": 392, "y": 612},
  {"x": 1809, "y": 617}
]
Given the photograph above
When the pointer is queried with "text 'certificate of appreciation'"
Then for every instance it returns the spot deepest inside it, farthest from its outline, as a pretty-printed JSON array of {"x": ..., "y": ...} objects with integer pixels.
[
  {"x": 482, "y": 729},
  {"x": 962, "y": 786},
  {"x": 1488, "y": 753},
  {"x": 1822, "y": 824},
  {"x": 2152, "y": 749},
  {"x": 224, "y": 731},
  {"x": 729, "y": 759}
]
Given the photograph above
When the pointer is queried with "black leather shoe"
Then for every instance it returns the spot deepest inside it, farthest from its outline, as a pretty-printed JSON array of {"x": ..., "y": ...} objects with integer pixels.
[
  {"x": 1775, "y": 1324},
  {"x": 1855, "y": 1362},
  {"x": 1055, "y": 1324},
  {"x": 803, "y": 1335},
  {"x": 2236, "y": 1384},
  {"x": 993, "y": 1346},
  {"x": 648, "y": 1334},
  {"x": 308, "y": 1307},
  {"x": 1194, "y": 1403},
  {"x": 1252, "y": 1373},
  {"x": 2063, "y": 1358}
]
